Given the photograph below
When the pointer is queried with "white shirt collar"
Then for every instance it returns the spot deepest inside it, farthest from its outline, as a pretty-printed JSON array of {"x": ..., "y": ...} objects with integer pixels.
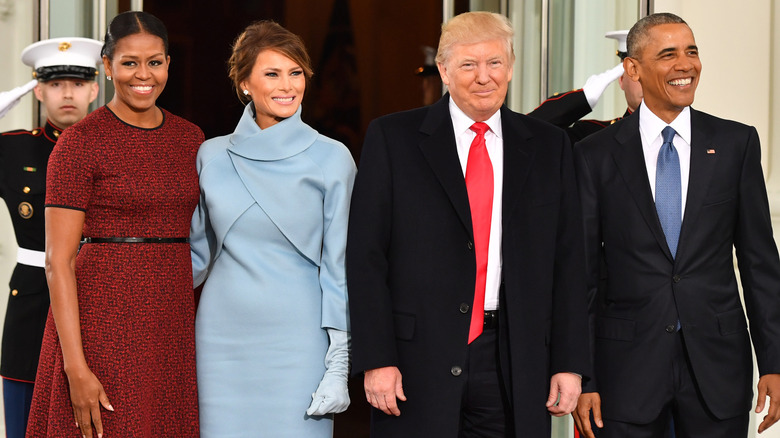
[
  {"x": 462, "y": 123},
  {"x": 650, "y": 125}
]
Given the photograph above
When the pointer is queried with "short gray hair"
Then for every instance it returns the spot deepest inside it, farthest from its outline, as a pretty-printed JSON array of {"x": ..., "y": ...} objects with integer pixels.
[{"x": 637, "y": 36}]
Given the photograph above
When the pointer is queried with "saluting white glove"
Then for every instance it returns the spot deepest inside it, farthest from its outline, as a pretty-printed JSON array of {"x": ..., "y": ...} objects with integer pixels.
[
  {"x": 9, "y": 99},
  {"x": 595, "y": 85},
  {"x": 332, "y": 395}
]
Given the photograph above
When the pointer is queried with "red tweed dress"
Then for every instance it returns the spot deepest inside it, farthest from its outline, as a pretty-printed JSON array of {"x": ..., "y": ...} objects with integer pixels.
[{"x": 135, "y": 299}]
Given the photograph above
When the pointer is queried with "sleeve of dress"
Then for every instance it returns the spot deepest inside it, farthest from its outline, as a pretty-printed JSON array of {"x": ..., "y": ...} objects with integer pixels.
[
  {"x": 69, "y": 175},
  {"x": 339, "y": 179},
  {"x": 202, "y": 238}
]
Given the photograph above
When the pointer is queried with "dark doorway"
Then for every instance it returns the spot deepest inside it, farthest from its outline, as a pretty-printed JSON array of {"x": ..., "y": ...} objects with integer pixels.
[{"x": 365, "y": 55}]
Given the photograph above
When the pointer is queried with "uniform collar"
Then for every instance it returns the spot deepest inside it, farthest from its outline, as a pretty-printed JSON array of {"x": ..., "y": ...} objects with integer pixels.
[
  {"x": 51, "y": 131},
  {"x": 283, "y": 140}
]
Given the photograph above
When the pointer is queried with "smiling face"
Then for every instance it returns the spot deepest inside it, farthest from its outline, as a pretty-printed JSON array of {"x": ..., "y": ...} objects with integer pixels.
[
  {"x": 276, "y": 85},
  {"x": 668, "y": 67},
  {"x": 66, "y": 100},
  {"x": 139, "y": 70},
  {"x": 478, "y": 76}
]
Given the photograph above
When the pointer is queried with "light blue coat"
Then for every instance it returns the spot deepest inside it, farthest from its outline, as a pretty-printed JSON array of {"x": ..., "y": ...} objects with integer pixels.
[{"x": 268, "y": 238}]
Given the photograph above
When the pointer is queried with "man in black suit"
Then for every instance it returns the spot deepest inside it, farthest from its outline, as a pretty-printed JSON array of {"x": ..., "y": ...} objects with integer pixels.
[
  {"x": 465, "y": 263},
  {"x": 667, "y": 195}
]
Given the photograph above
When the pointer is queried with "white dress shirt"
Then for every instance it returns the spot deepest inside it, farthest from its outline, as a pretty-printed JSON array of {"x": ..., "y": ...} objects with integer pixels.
[
  {"x": 495, "y": 147},
  {"x": 650, "y": 127}
]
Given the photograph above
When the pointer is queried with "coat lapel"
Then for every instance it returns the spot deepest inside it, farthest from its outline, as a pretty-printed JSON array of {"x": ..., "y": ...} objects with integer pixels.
[
  {"x": 439, "y": 149},
  {"x": 701, "y": 170},
  {"x": 517, "y": 160},
  {"x": 630, "y": 160}
]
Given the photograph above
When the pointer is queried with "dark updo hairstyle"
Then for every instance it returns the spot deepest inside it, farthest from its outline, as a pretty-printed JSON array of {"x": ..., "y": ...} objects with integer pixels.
[
  {"x": 131, "y": 23},
  {"x": 259, "y": 36}
]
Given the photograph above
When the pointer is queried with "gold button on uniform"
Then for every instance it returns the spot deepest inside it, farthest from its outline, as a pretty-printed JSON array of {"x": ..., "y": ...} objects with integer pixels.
[
  {"x": 14, "y": 292},
  {"x": 36, "y": 131},
  {"x": 26, "y": 190},
  {"x": 56, "y": 134}
]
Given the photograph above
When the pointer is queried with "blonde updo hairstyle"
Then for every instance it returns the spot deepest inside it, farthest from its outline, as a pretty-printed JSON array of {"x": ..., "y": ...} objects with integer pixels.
[{"x": 257, "y": 37}]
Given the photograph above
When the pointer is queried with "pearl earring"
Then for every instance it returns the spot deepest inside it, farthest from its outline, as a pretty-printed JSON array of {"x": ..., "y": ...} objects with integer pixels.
[
  {"x": 246, "y": 92},
  {"x": 108, "y": 77}
]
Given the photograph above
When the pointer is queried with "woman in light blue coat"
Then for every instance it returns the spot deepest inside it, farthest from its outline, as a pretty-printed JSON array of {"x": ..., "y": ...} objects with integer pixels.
[{"x": 268, "y": 240}]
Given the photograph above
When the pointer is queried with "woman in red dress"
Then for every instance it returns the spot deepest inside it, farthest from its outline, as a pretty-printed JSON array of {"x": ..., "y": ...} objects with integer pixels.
[{"x": 118, "y": 354}]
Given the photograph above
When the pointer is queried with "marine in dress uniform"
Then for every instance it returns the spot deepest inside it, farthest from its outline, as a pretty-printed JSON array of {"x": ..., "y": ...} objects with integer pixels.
[
  {"x": 566, "y": 110},
  {"x": 65, "y": 72}
]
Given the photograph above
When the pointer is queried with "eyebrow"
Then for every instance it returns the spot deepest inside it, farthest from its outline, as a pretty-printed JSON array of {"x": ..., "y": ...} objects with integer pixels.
[
  {"x": 138, "y": 57},
  {"x": 672, "y": 49},
  {"x": 277, "y": 69}
]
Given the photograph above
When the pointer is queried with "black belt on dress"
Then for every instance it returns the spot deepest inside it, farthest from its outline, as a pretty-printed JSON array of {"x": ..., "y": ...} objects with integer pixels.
[
  {"x": 135, "y": 240},
  {"x": 491, "y": 319}
]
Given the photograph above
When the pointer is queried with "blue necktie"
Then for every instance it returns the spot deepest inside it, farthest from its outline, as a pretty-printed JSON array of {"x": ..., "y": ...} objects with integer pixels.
[{"x": 668, "y": 198}]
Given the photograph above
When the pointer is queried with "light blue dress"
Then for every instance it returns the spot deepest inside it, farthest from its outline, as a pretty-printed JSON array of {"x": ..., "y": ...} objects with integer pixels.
[{"x": 268, "y": 237}]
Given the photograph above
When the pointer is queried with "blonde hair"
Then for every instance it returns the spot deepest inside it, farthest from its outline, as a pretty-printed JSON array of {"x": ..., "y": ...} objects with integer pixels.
[{"x": 475, "y": 27}]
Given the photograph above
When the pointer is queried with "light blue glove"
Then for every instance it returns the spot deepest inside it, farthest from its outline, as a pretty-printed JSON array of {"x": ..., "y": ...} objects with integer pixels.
[{"x": 332, "y": 395}]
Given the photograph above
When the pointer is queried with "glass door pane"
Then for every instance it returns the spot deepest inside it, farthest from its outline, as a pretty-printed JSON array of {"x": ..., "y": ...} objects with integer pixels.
[{"x": 579, "y": 49}]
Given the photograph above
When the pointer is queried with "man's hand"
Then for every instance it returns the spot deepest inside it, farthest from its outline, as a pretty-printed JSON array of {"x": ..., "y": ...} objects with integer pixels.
[
  {"x": 564, "y": 389},
  {"x": 768, "y": 385},
  {"x": 589, "y": 401},
  {"x": 382, "y": 386}
]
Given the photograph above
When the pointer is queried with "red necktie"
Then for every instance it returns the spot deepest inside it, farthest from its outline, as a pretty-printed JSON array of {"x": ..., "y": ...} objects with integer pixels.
[{"x": 479, "y": 183}]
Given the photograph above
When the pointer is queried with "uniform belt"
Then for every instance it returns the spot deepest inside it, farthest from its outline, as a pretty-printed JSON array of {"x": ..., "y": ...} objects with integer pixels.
[
  {"x": 491, "y": 319},
  {"x": 30, "y": 257},
  {"x": 135, "y": 240}
]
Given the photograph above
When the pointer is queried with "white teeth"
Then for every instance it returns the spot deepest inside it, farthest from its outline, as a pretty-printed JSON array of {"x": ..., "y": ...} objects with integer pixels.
[
  {"x": 143, "y": 87},
  {"x": 283, "y": 99},
  {"x": 685, "y": 81}
]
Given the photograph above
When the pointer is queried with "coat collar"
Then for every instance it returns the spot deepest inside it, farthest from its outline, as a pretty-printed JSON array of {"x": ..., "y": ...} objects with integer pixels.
[
  {"x": 703, "y": 162},
  {"x": 439, "y": 150},
  {"x": 283, "y": 140},
  {"x": 630, "y": 160}
]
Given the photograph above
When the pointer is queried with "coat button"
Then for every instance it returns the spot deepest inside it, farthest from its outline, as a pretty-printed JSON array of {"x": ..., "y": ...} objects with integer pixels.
[
  {"x": 470, "y": 245},
  {"x": 464, "y": 308},
  {"x": 676, "y": 278},
  {"x": 671, "y": 328},
  {"x": 26, "y": 190},
  {"x": 14, "y": 292},
  {"x": 456, "y": 371}
]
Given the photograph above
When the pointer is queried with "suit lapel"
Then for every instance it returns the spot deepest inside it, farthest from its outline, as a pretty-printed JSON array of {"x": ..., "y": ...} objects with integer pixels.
[
  {"x": 517, "y": 160},
  {"x": 701, "y": 170},
  {"x": 630, "y": 160},
  {"x": 439, "y": 149}
]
